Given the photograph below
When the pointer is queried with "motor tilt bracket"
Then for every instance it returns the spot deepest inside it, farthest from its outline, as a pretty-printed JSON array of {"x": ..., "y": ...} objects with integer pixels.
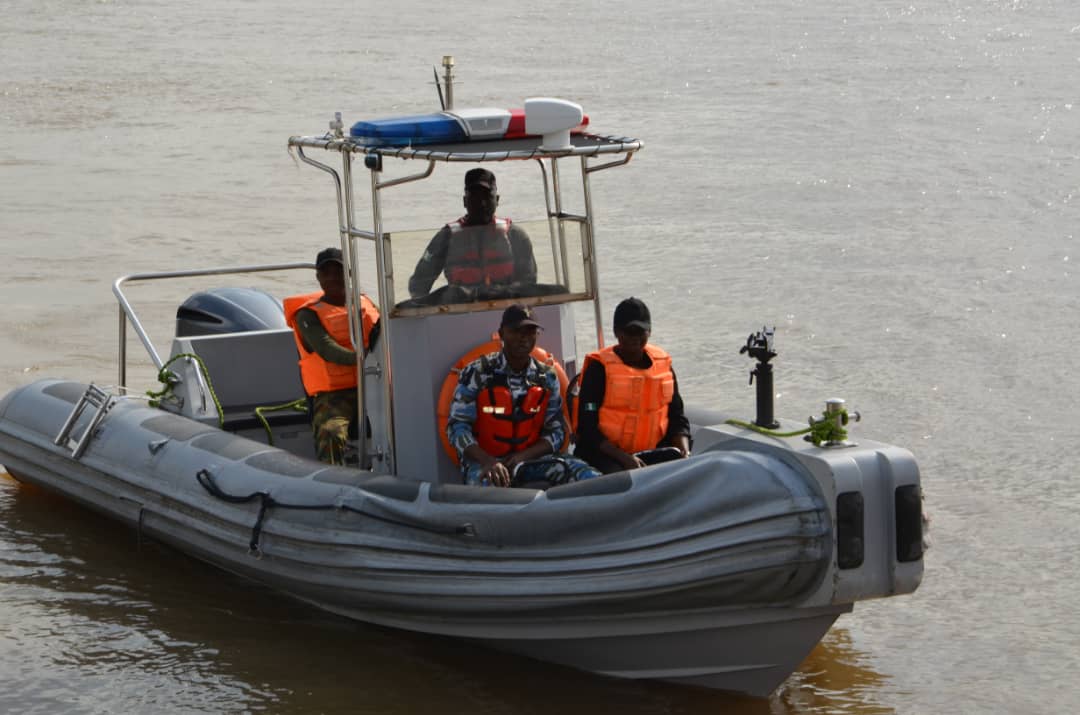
[{"x": 759, "y": 346}]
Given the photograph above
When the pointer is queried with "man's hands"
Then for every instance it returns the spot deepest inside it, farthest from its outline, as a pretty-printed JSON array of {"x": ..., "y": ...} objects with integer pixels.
[
  {"x": 492, "y": 470},
  {"x": 632, "y": 461},
  {"x": 629, "y": 461},
  {"x": 496, "y": 472},
  {"x": 499, "y": 472}
]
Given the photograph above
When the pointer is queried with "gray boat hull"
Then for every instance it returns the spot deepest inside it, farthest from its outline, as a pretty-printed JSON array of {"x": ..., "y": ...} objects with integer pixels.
[{"x": 719, "y": 570}]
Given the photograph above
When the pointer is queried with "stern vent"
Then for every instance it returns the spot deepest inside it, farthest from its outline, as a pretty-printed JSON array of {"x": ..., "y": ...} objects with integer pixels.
[
  {"x": 850, "y": 543},
  {"x": 909, "y": 536}
]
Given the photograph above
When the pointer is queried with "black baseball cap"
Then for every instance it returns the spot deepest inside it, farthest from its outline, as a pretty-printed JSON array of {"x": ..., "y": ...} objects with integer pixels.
[
  {"x": 518, "y": 316},
  {"x": 327, "y": 255},
  {"x": 480, "y": 177},
  {"x": 632, "y": 313}
]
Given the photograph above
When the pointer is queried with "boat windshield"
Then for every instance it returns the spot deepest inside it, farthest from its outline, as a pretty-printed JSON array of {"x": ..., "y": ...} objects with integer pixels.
[{"x": 455, "y": 267}]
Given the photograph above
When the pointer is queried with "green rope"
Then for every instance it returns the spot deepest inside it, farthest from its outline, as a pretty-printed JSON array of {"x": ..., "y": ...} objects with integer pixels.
[
  {"x": 764, "y": 430},
  {"x": 169, "y": 378},
  {"x": 824, "y": 430},
  {"x": 299, "y": 404}
]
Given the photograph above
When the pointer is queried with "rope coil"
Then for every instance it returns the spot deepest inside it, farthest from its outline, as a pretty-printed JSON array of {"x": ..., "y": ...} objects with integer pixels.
[
  {"x": 823, "y": 431},
  {"x": 299, "y": 404},
  {"x": 170, "y": 379}
]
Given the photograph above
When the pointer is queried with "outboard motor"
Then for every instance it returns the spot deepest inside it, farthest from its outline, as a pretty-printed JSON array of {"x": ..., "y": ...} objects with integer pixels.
[{"x": 228, "y": 310}]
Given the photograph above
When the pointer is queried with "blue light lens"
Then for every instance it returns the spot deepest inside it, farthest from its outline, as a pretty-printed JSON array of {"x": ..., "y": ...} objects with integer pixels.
[{"x": 409, "y": 131}]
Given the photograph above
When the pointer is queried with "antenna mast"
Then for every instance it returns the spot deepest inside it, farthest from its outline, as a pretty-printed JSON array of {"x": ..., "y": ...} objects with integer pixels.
[{"x": 448, "y": 79}]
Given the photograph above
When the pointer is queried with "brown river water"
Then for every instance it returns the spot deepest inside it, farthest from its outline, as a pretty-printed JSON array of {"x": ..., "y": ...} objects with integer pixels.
[{"x": 893, "y": 185}]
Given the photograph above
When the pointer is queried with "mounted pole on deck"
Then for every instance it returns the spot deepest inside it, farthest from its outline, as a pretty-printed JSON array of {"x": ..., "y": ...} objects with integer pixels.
[{"x": 760, "y": 347}]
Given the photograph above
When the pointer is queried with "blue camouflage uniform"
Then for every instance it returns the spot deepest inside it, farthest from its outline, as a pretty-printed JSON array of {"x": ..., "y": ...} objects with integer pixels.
[{"x": 459, "y": 428}]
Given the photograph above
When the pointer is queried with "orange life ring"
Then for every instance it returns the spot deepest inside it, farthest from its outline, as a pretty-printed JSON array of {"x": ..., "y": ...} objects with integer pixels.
[{"x": 446, "y": 394}]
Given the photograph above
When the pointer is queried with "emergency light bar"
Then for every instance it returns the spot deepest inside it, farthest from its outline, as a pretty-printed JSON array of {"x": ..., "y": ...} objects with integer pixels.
[{"x": 553, "y": 119}]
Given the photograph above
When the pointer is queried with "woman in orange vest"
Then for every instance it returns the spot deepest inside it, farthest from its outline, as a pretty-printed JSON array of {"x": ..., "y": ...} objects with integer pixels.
[
  {"x": 320, "y": 323},
  {"x": 628, "y": 407}
]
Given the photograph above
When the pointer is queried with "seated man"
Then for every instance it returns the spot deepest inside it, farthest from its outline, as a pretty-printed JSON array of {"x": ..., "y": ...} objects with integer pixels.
[
  {"x": 629, "y": 403},
  {"x": 506, "y": 416},
  {"x": 320, "y": 323},
  {"x": 479, "y": 249}
]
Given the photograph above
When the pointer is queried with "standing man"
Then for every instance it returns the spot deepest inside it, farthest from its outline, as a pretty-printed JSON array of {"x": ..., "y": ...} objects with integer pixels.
[
  {"x": 320, "y": 323},
  {"x": 629, "y": 403},
  {"x": 506, "y": 417},
  {"x": 479, "y": 249}
]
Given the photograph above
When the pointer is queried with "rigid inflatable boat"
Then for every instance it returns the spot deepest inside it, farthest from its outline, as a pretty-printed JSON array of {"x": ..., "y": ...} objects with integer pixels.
[{"x": 721, "y": 570}]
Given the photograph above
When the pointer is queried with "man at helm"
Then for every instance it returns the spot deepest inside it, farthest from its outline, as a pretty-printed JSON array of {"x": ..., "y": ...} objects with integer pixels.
[
  {"x": 506, "y": 419},
  {"x": 320, "y": 323},
  {"x": 479, "y": 249}
]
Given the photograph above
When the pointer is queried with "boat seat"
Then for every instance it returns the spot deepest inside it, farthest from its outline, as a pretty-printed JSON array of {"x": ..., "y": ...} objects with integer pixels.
[
  {"x": 248, "y": 370},
  {"x": 243, "y": 418}
]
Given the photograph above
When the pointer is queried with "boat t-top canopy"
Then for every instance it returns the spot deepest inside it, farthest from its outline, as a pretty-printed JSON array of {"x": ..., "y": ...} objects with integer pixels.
[
  {"x": 546, "y": 128},
  {"x": 545, "y": 131},
  {"x": 528, "y": 147}
]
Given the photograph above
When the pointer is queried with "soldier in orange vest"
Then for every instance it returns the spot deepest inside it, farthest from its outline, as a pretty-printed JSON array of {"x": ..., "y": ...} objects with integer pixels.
[
  {"x": 629, "y": 411},
  {"x": 479, "y": 249},
  {"x": 320, "y": 323}
]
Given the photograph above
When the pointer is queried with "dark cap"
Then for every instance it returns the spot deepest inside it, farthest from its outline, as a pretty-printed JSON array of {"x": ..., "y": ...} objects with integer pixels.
[
  {"x": 518, "y": 316},
  {"x": 632, "y": 313},
  {"x": 480, "y": 177},
  {"x": 327, "y": 255}
]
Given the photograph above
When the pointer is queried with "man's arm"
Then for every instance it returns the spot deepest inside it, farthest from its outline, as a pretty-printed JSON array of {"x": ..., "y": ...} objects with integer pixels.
[
  {"x": 590, "y": 397},
  {"x": 678, "y": 431},
  {"x": 431, "y": 264},
  {"x": 316, "y": 339},
  {"x": 524, "y": 261},
  {"x": 459, "y": 426},
  {"x": 554, "y": 430}
]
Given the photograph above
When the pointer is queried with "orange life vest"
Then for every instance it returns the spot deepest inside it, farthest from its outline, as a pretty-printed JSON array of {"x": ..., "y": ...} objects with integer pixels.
[
  {"x": 634, "y": 415},
  {"x": 317, "y": 374},
  {"x": 479, "y": 255},
  {"x": 450, "y": 383},
  {"x": 503, "y": 427}
]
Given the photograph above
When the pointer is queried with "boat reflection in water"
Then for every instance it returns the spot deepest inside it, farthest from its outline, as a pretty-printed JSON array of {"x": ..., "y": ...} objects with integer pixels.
[
  {"x": 126, "y": 626},
  {"x": 835, "y": 677}
]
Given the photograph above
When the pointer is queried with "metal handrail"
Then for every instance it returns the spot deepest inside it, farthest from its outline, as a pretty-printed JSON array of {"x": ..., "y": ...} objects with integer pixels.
[
  {"x": 590, "y": 242},
  {"x": 476, "y": 152},
  {"x": 127, "y": 313},
  {"x": 333, "y": 175}
]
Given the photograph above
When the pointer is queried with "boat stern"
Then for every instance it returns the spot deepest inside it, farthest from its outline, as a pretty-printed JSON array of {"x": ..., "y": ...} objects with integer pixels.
[{"x": 874, "y": 495}]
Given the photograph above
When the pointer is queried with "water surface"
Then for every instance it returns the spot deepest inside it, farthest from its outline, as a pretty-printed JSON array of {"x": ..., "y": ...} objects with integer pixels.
[{"x": 893, "y": 185}]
